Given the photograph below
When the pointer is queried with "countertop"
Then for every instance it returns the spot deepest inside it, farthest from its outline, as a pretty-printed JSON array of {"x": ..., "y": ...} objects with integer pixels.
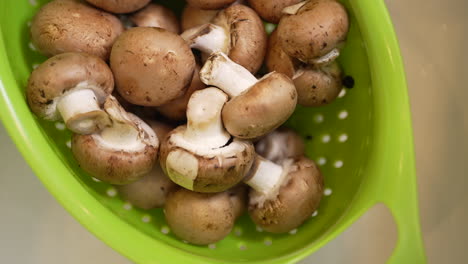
[{"x": 36, "y": 229}]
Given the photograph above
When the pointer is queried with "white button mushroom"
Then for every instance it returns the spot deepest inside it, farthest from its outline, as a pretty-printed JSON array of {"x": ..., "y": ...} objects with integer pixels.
[
  {"x": 283, "y": 196},
  {"x": 202, "y": 156},
  {"x": 313, "y": 31},
  {"x": 236, "y": 31},
  {"x": 121, "y": 153},
  {"x": 72, "y": 87},
  {"x": 74, "y": 26},
  {"x": 257, "y": 107}
]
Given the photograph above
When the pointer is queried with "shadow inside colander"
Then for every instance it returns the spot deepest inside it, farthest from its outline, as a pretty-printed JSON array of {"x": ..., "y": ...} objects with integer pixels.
[{"x": 337, "y": 137}]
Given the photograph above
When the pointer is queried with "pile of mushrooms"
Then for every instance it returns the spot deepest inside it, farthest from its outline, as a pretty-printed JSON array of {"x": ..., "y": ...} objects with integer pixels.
[{"x": 179, "y": 114}]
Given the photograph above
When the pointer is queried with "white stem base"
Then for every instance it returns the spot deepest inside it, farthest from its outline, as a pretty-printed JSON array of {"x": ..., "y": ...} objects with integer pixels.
[
  {"x": 222, "y": 72},
  {"x": 207, "y": 38},
  {"x": 266, "y": 177},
  {"x": 327, "y": 58},
  {"x": 204, "y": 123}
]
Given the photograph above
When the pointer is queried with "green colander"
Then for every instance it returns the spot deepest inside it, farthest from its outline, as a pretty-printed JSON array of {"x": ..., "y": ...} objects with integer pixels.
[{"x": 363, "y": 143}]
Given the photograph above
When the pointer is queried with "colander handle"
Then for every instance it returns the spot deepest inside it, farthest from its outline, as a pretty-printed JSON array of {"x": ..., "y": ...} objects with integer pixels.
[{"x": 403, "y": 204}]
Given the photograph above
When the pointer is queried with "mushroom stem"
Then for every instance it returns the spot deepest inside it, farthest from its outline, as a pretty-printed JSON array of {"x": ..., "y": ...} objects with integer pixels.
[
  {"x": 208, "y": 38},
  {"x": 327, "y": 58},
  {"x": 222, "y": 72},
  {"x": 81, "y": 112},
  {"x": 292, "y": 10},
  {"x": 204, "y": 124}
]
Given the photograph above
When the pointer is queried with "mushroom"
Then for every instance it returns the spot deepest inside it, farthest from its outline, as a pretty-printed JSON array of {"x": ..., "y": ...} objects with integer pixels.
[
  {"x": 316, "y": 85},
  {"x": 194, "y": 16},
  {"x": 154, "y": 15},
  {"x": 177, "y": 108},
  {"x": 73, "y": 26},
  {"x": 236, "y": 31},
  {"x": 283, "y": 196},
  {"x": 202, "y": 156},
  {"x": 210, "y": 4},
  {"x": 72, "y": 87},
  {"x": 313, "y": 31},
  {"x": 239, "y": 198},
  {"x": 121, "y": 153},
  {"x": 151, "y": 66},
  {"x": 257, "y": 107},
  {"x": 283, "y": 143},
  {"x": 199, "y": 218},
  {"x": 271, "y": 10},
  {"x": 152, "y": 189},
  {"x": 119, "y": 6}
]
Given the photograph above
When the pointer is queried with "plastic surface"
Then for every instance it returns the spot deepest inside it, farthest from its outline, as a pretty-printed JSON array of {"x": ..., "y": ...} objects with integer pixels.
[{"x": 363, "y": 143}]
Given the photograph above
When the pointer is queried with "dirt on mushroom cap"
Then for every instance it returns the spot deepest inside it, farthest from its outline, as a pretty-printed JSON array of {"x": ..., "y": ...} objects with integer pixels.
[
  {"x": 63, "y": 72},
  {"x": 73, "y": 26},
  {"x": 151, "y": 66}
]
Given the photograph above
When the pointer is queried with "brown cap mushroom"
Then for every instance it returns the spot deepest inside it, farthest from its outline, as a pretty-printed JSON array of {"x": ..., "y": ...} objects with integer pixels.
[
  {"x": 119, "y": 6},
  {"x": 283, "y": 143},
  {"x": 151, "y": 66},
  {"x": 121, "y": 153},
  {"x": 202, "y": 156},
  {"x": 154, "y": 15},
  {"x": 72, "y": 87},
  {"x": 317, "y": 86},
  {"x": 194, "y": 16},
  {"x": 236, "y": 31},
  {"x": 177, "y": 108},
  {"x": 312, "y": 31},
  {"x": 283, "y": 196},
  {"x": 199, "y": 218},
  {"x": 256, "y": 107},
  {"x": 239, "y": 199},
  {"x": 73, "y": 26},
  {"x": 210, "y": 4},
  {"x": 271, "y": 10}
]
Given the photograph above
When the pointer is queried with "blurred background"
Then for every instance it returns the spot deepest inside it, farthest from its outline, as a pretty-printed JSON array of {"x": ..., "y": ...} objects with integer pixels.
[{"x": 432, "y": 34}]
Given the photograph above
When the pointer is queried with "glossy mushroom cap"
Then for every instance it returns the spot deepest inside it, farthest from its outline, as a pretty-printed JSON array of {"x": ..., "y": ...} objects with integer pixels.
[
  {"x": 121, "y": 153},
  {"x": 210, "y": 4},
  {"x": 283, "y": 143},
  {"x": 271, "y": 10},
  {"x": 72, "y": 87},
  {"x": 154, "y": 15},
  {"x": 73, "y": 26},
  {"x": 202, "y": 156},
  {"x": 313, "y": 29},
  {"x": 151, "y": 66},
  {"x": 318, "y": 86},
  {"x": 298, "y": 197},
  {"x": 119, "y": 6},
  {"x": 177, "y": 108},
  {"x": 199, "y": 218}
]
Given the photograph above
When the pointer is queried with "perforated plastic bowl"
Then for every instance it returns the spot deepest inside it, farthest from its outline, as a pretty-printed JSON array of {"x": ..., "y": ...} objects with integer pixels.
[{"x": 363, "y": 143}]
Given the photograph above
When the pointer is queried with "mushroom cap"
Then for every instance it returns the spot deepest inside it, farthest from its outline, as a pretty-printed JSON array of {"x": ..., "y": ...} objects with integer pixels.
[
  {"x": 271, "y": 10},
  {"x": 154, "y": 15},
  {"x": 74, "y": 26},
  {"x": 248, "y": 39},
  {"x": 277, "y": 60},
  {"x": 210, "y": 4},
  {"x": 61, "y": 73},
  {"x": 194, "y": 16},
  {"x": 199, "y": 218},
  {"x": 177, "y": 108},
  {"x": 262, "y": 108},
  {"x": 117, "y": 164},
  {"x": 298, "y": 198},
  {"x": 319, "y": 86},
  {"x": 239, "y": 198},
  {"x": 119, "y": 6},
  {"x": 205, "y": 170},
  {"x": 317, "y": 28},
  {"x": 148, "y": 192},
  {"x": 151, "y": 66},
  {"x": 283, "y": 143}
]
